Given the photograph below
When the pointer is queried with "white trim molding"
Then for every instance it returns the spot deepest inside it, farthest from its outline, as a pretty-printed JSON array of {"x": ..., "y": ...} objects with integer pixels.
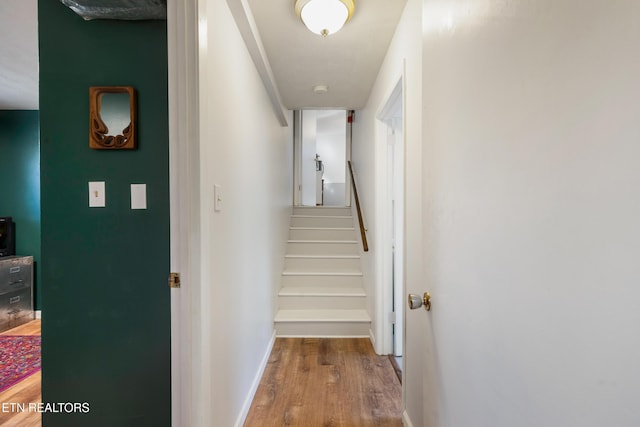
[
  {"x": 256, "y": 382},
  {"x": 372, "y": 338},
  {"x": 406, "y": 421},
  {"x": 182, "y": 39}
]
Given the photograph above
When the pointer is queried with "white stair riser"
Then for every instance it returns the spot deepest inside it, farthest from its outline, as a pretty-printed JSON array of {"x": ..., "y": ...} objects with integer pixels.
[
  {"x": 328, "y": 248},
  {"x": 326, "y": 296},
  {"x": 330, "y": 222},
  {"x": 325, "y": 211},
  {"x": 322, "y": 264},
  {"x": 322, "y": 329},
  {"x": 328, "y": 281},
  {"x": 321, "y": 303},
  {"x": 322, "y": 234}
]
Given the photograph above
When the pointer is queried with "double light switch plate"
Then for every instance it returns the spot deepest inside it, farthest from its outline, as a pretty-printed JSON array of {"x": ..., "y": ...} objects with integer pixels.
[{"x": 98, "y": 198}]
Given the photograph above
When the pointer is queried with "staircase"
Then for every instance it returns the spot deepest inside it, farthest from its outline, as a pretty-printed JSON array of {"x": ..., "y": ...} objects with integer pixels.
[{"x": 322, "y": 293}]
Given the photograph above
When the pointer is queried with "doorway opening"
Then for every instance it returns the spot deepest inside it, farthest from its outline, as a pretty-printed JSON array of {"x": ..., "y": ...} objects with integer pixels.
[
  {"x": 20, "y": 269},
  {"x": 322, "y": 148},
  {"x": 392, "y": 132}
]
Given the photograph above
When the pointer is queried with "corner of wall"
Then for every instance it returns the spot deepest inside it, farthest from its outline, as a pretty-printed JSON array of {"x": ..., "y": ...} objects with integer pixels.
[{"x": 256, "y": 382}]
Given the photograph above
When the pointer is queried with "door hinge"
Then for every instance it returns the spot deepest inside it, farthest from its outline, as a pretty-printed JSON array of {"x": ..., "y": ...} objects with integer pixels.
[
  {"x": 392, "y": 318},
  {"x": 174, "y": 280}
]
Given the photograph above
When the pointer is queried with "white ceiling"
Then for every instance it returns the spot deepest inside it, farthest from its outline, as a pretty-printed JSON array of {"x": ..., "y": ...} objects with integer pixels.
[
  {"x": 18, "y": 54},
  {"x": 347, "y": 61}
]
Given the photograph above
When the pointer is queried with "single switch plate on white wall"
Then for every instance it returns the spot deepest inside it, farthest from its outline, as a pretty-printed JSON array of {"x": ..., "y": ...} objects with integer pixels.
[
  {"x": 97, "y": 196},
  {"x": 138, "y": 196},
  {"x": 217, "y": 198}
]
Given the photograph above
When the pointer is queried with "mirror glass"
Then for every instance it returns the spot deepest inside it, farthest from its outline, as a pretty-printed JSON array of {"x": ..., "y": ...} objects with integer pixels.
[{"x": 114, "y": 112}]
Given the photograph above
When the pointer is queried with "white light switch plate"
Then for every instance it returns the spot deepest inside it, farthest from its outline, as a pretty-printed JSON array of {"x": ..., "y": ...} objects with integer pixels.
[
  {"x": 97, "y": 196},
  {"x": 138, "y": 196}
]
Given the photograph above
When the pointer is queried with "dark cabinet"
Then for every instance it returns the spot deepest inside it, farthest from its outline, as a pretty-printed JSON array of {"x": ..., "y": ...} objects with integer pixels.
[{"x": 16, "y": 291}]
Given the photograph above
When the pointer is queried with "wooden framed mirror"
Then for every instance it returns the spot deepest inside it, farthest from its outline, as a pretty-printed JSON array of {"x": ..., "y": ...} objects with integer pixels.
[{"x": 112, "y": 121}]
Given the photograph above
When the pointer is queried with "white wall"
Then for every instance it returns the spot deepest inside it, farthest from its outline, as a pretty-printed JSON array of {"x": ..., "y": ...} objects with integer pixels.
[
  {"x": 369, "y": 151},
  {"x": 244, "y": 150},
  {"x": 531, "y": 148}
]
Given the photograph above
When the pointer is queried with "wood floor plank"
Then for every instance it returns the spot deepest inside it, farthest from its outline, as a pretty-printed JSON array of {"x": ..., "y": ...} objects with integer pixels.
[
  {"x": 29, "y": 328},
  {"x": 326, "y": 382},
  {"x": 26, "y": 391}
]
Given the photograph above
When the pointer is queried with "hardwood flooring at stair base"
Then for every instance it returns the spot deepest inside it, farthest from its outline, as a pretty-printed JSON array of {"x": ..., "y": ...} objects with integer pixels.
[{"x": 326, "y": 382}]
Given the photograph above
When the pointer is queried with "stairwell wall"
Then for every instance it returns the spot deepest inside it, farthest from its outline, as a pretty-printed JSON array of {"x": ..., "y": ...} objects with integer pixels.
[
  {"x": 245, "y": 150},
  {"x": 403, "y": 61},
  {"x": 369, "y": 152}
]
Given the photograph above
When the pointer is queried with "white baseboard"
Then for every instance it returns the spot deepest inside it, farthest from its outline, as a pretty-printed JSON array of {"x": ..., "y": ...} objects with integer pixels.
[
  {"x": 372, "y": 338},
  {"x": 406, "y": 421},
  {"x": 256, "y": 382},
  {"x": 322, "y": 336},
  {"x": 38, "y": 314}
]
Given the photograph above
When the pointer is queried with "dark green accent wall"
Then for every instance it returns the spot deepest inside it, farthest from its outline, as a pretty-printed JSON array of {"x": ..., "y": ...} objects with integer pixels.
[
  {"x": 105, "y": 306},
  {"x": 20, "y": 182}
]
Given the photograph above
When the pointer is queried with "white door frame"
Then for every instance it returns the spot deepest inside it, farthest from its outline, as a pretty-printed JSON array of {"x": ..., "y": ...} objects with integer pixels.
[
  {"x": 347, "y": 158},
  {"x": 395, "y": 183},
  {"x": 184, "y": 173},
  {"x": 297, "y": 158},
  {"x": 384, "y": 303}
]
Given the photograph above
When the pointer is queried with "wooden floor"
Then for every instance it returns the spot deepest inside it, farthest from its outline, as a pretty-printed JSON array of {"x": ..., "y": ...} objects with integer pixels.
[
  {"x": 308, "y": 382},
  {"x": 325, "y": 383},
  {"x": 26, "y": 391}
]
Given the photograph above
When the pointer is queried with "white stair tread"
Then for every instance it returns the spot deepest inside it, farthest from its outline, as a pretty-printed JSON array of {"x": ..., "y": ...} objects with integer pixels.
[
  {"x": 321, "y": 207},
  {"x": 323, "y": 228},
  {"x": 319, "y": 291},
  {"x": 298, "y": 256},
  {"x": 323, "y": 241},
  {"x": 321, "y": 216},
  {"x": 322, "y": 316},
  {"x": 321, "y": 273}
]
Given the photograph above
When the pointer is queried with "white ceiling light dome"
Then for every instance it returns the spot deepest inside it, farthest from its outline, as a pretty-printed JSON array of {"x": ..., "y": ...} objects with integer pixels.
[
  {"x": 320, "y": 89},
  {"x": 324, "y": 17}
]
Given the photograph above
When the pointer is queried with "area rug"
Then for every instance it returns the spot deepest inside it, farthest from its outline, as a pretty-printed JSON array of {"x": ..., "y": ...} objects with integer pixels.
[{"x": 19, "y": 358}]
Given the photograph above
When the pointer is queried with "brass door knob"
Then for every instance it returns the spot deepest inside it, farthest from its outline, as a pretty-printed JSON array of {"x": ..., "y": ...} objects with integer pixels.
[{"x": 416, "y": 301}]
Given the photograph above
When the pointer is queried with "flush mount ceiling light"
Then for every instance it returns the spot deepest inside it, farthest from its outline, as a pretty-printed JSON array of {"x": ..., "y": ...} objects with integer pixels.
[
  {"x": 320, "y": 89},
  {"x": 324, "y": 17}
]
